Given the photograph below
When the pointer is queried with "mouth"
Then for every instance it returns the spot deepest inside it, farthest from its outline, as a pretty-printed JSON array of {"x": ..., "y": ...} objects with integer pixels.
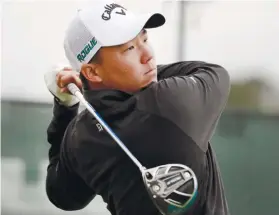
[{"x": 151, "y": 70}]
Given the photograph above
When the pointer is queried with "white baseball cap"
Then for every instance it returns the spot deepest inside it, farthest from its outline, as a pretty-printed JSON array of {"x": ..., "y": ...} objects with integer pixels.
[{"x": 100, "y": 24}]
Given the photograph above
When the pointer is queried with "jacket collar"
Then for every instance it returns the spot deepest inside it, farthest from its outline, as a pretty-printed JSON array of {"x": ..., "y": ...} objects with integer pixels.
[
  {"x": 102, "y": 100},
  {"x": 105, "y": 99}
]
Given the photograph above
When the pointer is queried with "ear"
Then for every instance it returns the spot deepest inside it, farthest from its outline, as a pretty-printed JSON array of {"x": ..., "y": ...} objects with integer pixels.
[{"x": 90, "y": 72}]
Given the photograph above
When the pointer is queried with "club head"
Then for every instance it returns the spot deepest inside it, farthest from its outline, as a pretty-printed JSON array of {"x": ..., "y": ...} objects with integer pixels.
[{"x": 172, "y": 187}]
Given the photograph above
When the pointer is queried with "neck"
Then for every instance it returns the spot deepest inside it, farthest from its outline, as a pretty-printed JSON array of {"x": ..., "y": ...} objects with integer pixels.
[
  {"x": 100, "y": 86},
  {"x": 97, "y": 86}
]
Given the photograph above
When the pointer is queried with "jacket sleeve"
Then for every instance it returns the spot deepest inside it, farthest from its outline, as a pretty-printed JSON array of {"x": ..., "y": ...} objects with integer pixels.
[
  {"x": 180, "y": 68},
  {"x": 64, "y": 189},
  {"x": 192, "y": 95}
]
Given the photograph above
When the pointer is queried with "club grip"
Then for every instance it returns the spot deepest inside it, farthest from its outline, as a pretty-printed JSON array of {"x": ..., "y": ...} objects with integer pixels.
[{"x": 73, "y": 88}]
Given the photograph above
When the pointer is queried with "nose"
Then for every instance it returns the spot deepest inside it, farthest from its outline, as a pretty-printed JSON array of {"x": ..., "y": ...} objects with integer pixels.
[{"x": 147, "y": 54}]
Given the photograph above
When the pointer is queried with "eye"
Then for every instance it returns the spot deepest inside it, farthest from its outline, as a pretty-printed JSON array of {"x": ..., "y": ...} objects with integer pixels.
[{"x": 130, "y": 48}]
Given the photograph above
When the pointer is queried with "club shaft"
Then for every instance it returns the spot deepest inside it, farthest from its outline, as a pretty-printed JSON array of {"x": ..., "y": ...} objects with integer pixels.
[{"x": 75, "y": 91}]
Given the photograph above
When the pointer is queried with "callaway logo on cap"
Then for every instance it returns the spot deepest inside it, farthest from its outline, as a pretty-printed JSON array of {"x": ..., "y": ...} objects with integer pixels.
[
  {"x": 109, "y": 8},
  {"x": 103, "y": 23}
]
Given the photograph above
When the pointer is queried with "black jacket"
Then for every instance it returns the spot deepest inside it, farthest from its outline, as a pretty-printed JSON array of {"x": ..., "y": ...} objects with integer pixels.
[{"x": 170, "y": 121}]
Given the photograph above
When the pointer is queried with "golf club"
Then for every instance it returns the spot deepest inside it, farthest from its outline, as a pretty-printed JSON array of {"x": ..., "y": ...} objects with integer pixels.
[{"x": 172, "y": 187}]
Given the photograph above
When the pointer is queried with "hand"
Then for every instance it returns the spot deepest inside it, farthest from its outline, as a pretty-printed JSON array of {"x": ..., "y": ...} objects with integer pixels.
[
  {"x": 66, "y": 76},
  {"x": 57, "y": 80}
]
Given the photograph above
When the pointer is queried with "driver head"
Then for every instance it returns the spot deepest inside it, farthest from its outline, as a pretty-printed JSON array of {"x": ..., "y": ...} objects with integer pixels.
[{"x": 172, "y": 187}]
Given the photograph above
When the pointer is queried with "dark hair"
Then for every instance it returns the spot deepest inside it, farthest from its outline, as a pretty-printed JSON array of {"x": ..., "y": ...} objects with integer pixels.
[{"x": 95, "y": 59}]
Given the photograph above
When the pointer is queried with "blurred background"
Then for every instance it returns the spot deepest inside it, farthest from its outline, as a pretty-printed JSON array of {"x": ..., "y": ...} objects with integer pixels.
[{"x": 242, "y": 36}]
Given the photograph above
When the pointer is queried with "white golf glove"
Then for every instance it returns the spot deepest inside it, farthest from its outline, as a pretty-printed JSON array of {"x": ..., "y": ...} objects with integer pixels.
[{"x": 65, "y": 99}]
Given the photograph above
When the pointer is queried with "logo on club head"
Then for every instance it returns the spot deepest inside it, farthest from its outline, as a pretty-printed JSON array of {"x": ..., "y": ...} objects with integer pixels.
[{"x": 109, "y": 9}]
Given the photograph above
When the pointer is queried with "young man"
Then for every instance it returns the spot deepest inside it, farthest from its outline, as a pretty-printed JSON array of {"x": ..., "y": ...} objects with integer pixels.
[{"x": 163, "y": 114}]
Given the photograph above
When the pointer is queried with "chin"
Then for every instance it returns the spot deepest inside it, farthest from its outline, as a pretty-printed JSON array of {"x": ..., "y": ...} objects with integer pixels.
[
  {"x": 153, "y": 76},
  {"x": 153, "y": 79}
]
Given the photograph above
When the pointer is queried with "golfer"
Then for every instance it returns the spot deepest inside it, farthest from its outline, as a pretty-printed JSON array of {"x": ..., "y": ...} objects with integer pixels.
[{"x": 162, "y": 113}]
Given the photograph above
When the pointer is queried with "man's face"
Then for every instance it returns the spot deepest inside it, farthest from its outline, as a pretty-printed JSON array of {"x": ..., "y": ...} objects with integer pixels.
[{"x": 128, "y": 67}]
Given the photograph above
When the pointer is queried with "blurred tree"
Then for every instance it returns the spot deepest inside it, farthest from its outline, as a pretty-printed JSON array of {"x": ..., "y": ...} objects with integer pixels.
[{"x": 246, "y": 95}]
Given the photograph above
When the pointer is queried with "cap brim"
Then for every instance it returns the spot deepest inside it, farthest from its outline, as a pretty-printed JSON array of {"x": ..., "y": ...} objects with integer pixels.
[
  {"x": 155, "y": 20},
  {"x": 130, "y": 30}
]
